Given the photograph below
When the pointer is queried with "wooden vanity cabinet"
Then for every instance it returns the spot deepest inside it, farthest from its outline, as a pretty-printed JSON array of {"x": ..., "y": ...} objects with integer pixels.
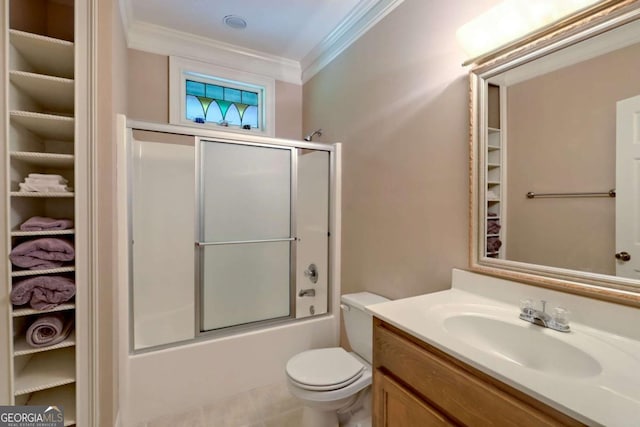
[{"x": 415, "y": 384}]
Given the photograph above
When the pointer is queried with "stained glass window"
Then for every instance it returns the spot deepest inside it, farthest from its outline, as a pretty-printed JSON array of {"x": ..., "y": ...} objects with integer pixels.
[{"x": 224, "y": 105}]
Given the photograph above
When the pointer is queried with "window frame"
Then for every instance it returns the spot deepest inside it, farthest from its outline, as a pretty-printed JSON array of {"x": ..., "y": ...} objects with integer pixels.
[{"x": 182, "y": 69}]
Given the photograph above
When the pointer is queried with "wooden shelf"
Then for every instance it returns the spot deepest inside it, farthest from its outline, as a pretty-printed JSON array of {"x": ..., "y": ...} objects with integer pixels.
[
  {"x": 46, "y": 370},
  {"x": 493, "y": 130},
  {"x": 493, "y": 165},
  {"x": 22, "y": 273},
  {"x": 60, "y": 396},
  {"x": 20, "y": 233},
  {"x": 21, "y": 347},
  {"x": 35, "y": 194},
  {"x": 46, "y": 126},
  {"x": 45, "y": 54},
  {"x": 20, "y": 312},
  {"x": 51, "y": 93},
  {"x": 50, "y": 160},
  {"x": 492, "y": 148}
]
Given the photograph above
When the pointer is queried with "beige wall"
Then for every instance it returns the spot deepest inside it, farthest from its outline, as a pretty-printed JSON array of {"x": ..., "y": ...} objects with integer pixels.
[
  {"x": 112, "y": 89},
  {"x": 148, "y": 95},
  {"x": 561, "y": 138},
  {"x": 398, "y": 100}
]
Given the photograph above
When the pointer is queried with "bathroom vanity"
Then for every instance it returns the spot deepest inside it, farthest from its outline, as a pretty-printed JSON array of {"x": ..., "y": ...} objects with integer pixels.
[
  {"x": 417, "y": 384},
  {"x": 465, "y": 357}
]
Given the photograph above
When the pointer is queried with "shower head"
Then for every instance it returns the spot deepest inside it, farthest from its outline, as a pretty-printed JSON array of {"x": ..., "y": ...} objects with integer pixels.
[{"x": 311, "y": 135}]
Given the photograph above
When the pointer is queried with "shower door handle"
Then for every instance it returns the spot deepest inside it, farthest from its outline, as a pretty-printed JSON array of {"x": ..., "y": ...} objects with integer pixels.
[{"x": 241, "y": 242}]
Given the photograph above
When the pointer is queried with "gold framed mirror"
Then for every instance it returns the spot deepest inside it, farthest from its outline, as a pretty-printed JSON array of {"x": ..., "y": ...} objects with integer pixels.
[{"x": 554, "y": 168}]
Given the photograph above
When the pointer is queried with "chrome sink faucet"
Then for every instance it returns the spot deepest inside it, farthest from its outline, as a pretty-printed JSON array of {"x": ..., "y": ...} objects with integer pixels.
[{"x": 558, "y": 321}]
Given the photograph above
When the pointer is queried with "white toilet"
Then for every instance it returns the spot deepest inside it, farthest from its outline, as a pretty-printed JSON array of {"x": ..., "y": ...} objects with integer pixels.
[{"x": 332, "y": 383}]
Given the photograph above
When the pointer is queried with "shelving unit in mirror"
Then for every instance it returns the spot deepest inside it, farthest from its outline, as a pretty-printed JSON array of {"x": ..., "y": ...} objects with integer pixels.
[{"x": 494, "y": 225}]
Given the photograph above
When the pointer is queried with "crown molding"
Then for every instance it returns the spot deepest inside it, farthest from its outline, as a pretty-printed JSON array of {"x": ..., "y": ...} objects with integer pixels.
[
  {"x": 361, "y": 19},
  {"x": 166, "y": 41},
  {"x": 126, "y": 15}
]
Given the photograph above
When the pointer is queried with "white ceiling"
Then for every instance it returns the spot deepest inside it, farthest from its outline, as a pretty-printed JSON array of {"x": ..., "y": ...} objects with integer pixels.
[{"x": 285, "y": 28}]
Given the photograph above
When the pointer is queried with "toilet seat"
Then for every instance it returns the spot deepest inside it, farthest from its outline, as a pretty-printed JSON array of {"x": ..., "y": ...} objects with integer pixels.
[{"x": 324, "y": 369}]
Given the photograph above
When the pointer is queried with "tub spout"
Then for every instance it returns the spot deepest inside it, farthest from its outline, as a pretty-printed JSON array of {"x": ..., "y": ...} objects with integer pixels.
[{"x": 307, "y": 293}]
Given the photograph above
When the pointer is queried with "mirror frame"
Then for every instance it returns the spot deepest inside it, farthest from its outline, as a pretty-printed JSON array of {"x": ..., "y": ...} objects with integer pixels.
[{"x": 600, "y": 18}]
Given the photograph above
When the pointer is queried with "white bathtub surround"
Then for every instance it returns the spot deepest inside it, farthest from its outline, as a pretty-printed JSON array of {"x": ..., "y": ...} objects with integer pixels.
[
  {"x": 268, "y": 406},
  {"x": 590, "y": 373}
]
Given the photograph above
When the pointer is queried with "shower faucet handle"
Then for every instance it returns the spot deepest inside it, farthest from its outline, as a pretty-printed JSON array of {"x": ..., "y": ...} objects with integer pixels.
[{"x": 312, "y": 273}]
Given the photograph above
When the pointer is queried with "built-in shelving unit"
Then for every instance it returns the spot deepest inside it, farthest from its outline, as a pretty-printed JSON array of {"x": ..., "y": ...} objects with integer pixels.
[
  {"x": 494, "y": 177},
  {"x": 40, "y": 129}
]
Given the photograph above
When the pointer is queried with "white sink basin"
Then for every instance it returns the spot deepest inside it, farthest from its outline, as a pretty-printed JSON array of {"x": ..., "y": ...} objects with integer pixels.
[{"x": 526, "y": 345}]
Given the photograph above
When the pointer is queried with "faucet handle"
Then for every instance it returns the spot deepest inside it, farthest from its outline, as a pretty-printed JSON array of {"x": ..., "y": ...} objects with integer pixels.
[
  {"x": 561, "y": 316},
  {"x": 526, "y": 305}
]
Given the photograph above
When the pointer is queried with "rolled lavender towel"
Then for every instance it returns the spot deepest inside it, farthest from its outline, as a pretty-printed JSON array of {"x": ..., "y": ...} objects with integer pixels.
[
  {"x": 48, "y": 330},
  {"x": 493, "y": 244},
  {"x": 38, "y": 254},
  {"x": 39, "y": 223},
  {"x": 43, "y": 292}
]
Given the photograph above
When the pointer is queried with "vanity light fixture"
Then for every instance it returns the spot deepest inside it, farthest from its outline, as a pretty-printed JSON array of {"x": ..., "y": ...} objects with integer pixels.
[{"x": 513, "y": 19}]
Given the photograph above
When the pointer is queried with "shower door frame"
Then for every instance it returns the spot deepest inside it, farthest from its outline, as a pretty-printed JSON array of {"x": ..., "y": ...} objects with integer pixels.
[
  {"x": 126, "y": 128},
  {"x": 200, "y": 244}
]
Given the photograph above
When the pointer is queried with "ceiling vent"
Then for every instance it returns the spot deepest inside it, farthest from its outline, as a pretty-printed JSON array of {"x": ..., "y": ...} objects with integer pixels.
[{"x": 235, "y": 21}]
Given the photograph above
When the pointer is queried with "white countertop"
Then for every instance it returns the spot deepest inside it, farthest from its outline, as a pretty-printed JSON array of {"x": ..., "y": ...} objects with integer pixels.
[{"x": 609, "y": 396}]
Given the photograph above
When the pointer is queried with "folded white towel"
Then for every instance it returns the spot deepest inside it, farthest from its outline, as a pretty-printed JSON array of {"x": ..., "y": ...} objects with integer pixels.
[
  {"x": 44, "y": 188},
  {"x": 36, "y": 181},
  {"x": 48, "y": 177}
]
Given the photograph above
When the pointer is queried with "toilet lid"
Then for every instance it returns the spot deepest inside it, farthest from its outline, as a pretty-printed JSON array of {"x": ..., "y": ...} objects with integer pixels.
[{"x": 324, "y": 369}]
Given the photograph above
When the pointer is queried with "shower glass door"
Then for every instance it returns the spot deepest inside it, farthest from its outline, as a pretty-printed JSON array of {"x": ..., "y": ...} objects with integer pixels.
[{"x": 245, "y": 234}]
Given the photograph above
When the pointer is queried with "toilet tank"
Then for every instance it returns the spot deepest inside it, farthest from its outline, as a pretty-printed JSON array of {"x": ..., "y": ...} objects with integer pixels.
[{"x": 358, "y": 323}]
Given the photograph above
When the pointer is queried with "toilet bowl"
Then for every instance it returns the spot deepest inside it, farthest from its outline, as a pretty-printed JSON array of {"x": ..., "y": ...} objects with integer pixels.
[{"x": 331, "y": 382}]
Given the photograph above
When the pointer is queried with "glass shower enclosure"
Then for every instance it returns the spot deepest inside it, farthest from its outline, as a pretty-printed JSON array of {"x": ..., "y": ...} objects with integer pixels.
[{"x": 228, "y": 233}]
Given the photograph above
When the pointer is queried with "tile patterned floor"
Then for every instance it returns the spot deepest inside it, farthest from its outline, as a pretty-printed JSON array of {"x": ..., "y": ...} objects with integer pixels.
[{"x": 268, "y": 406}]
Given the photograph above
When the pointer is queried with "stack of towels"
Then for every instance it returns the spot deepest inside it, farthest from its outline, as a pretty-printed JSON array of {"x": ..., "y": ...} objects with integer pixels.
[
  {"x": 49, "y": 330},
  {"x": 44, "y": 183}
]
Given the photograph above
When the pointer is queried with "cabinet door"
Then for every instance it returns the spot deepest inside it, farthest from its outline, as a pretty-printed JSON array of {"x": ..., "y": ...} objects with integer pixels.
[{"x": 395, "y": 406}]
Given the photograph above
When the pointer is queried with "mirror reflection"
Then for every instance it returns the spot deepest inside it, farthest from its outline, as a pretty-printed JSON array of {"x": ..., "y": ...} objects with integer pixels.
[{"x": 560, "y": 178}]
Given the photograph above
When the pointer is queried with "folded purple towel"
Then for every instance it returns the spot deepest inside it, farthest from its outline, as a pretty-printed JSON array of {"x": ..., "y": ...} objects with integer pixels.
[
  {"x": 48, "y": 330},
  {"x": 43, "y": 292},
  {"x": 39, "y": 223},
  {"x": 38, "y": 254},
  {"x": 493, "y": 226}
]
